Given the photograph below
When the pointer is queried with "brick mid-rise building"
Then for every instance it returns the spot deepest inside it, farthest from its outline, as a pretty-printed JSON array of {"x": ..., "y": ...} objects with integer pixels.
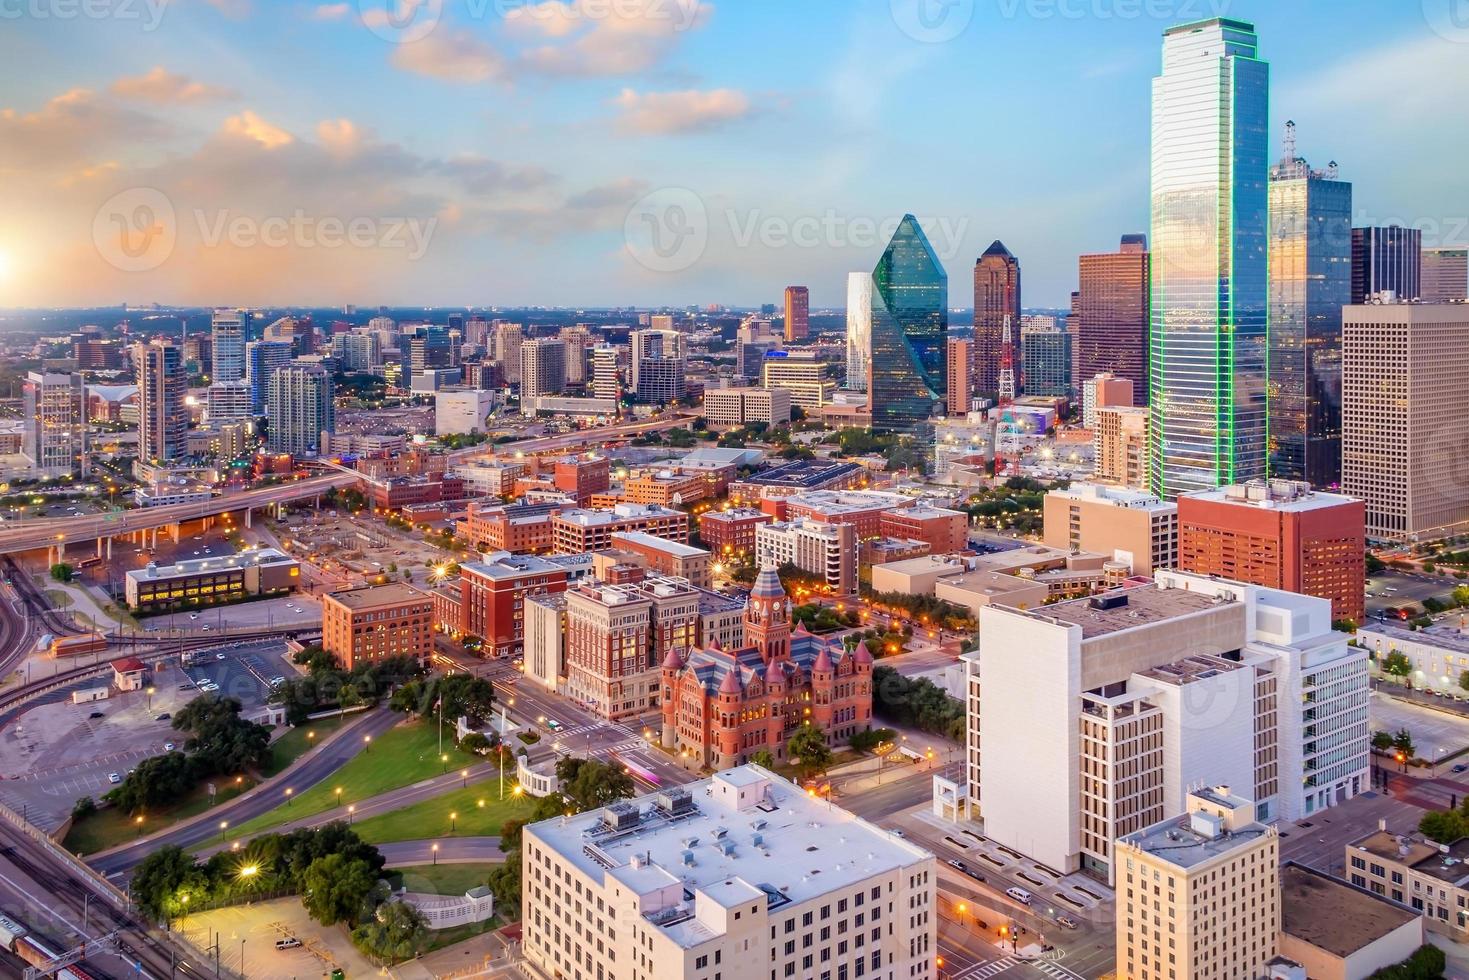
[
  {"x": 575, "y": 532},
  {"x": 518, "y": 528},
  {"x": 945, "y": 531},
  {"x": 1282, "y": 535},
  {"x": 377, "y": 623},
  {"x": 731, "y": 532},
  {"x": 582, "y": 476},
  {"x": 488, "y": 600}
]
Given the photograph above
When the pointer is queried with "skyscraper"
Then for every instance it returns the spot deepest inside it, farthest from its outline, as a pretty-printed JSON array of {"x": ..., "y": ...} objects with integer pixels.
[
  {"x": 1112, "y": 314},
  {"x": 605, "y": 382},
  {"x": 657, "y": 365},
  {"x": 262, "y": 357},
  {"x": 578, "y": 341},
  {"x": 1445, "y": 275},
  {"x": 798, "y": 313},
  {"x": 1045, "y": 353},
  {"x": 1388, "y": 258},
  {"x": 1310, "y": 281},
  {"x": 910, "y": 326},
  {"x": 1210, "y": 220},
  {"x": 228, "y": 343},
  {"x": 301, "y": 409},
  {"x": 161, "y": 416},
  {"x": 542, "y": 368},
  {"x": 508, "y": 337},
  {"x": 996, "y": 315},
  {"x": 54, "y": 437},
  {"x": 859, "y": 329},
  {"x": 960, "y": 374},
  {"x": 429, "y": 348}
]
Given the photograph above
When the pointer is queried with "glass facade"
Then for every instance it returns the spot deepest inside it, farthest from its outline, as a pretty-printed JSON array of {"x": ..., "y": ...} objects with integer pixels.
[
  {"x": 1310, "y": 282},
  {"x": 859, "y": 329},
  {"x": 910, "y": 325},
  {"x": 1386, "y": 259},
  {"x": 1207, "y": 344}
]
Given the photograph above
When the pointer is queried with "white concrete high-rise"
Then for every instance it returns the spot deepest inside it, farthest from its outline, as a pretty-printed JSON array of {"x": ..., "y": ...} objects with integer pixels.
[
  {"x": 859, "y": 329},
  {"x": 1131, "y": 698}
]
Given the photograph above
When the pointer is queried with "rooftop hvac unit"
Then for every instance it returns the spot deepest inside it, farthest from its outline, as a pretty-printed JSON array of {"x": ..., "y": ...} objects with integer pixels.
[
  {"x": 675, "y": 801},
  {"x": 620, "y": 816}
]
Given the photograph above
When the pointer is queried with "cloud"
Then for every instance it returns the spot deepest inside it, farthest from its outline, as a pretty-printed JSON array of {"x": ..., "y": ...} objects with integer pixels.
[
  {"x": 591, "y": 37},
  {"x": 680, "y": 112},
  {"x": 70, "y": 131},
  {"x": 162, "y": 87},
  {"x": 331, "y": 11},
  {"x": 482, "y": 175},
  {"x": 451, "y": 57},
  {"x": 247, "y": 125}
]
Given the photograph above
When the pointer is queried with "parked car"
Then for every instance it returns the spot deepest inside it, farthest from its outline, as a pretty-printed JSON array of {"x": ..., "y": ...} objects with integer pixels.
[
  {"x": 168, "y": 746},
  {"x": 1019, "y": 894},
  {"x": 114, "y": 778},
  {"x": 1462, "y": 767},
  {"x": 163, "y": 716},
  {"x": 1066, "y": 921},
  {"x": 98, "y": 714},
  {"x": 290, "y": 942}
]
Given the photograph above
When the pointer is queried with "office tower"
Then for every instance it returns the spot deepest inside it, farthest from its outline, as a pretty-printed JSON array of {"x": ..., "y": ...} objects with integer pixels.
[
  {"x": 733, "y": 407},
  {"x": 228, "y": 401},
  {"x": 1104, "y": 391},
  {"x": 605, "y": 380},
  {"x": 683, "y": 883},
  {"x": 95, "y": 353},
  {"x": 1210, "y": 220},
  {"x": 1200, "y": 897},
  {"x": 428, "y": 347},
  {"x": 1387, "y": 259},
  {"x": 161, "y": 416},
  {"x": 198, "y": 354},
  {"x": 798, "y": 313},
  {"x": 542, "y": 368},
  {"x": 262, "y": 358},
  {"x": 227, "y": 341},
  {"x": 508, "y": 337},
  {"x": 1405, "y": 370},
  {"x": 302, "y": 408},
  {"x": 1112, "y": 307},
  {"x": 1045, "y": 354},
  {"x": 859, "y": 329},
  {"x": 910, "y": 323},
  {"x": 1282, "y": 535},
  {"x": 750, "y": 356},
  {"x": 657, "y": 375},
  {"x": 960, "y": 371},
  {"x": 802, "y": 374},
  {"x": 578, "y": 341},
  {"x": 1132, "y": 698},
  {"x": 358, "y": 351},
  {"x": 54, "y": 437},
  {"x": 1310, "y": 282},
  {"x": 1445, "y": 276},
  {"x": 1132, "y": 525},
  {"x": 996, "y": 316},
  {"x": 1120, "y": 446}
]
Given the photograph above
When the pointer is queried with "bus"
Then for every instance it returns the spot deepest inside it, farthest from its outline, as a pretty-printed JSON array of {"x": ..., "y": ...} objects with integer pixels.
[
  {"x": 75, "y": 646},
  {"x": 637, "y": 770}
]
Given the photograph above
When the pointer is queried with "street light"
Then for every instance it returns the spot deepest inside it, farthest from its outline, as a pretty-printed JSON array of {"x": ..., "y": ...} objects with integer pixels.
[
  {"x": 435, "y": 849},
  {"x": 339, "y": 796},
  {"x": 367, "y": 743},
  {"x": 351, "y": 810},
  {"x": 222, "y": 825},
  {"x": 453, "y": 821},
  {"x": 289, "y": 791}
]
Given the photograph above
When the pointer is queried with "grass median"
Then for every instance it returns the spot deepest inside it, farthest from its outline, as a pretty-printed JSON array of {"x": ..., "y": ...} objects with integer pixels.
[
  {"x": 472, "y": 811},
  {"x": 399, "y": 757}
]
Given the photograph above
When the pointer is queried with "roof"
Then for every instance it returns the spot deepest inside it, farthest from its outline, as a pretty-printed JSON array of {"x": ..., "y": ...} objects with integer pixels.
[
  {"x": 510, "y": 567},
  {"x": 1141, "y": 606},
  {"x": 1176, "y": 841},
  {"x": 1332, "y": 915},
  {"x": 373, "y": 596},
  {"x": 617, "y": 515},
  {"x": 742, "y": 835},
  {"x": 1280, "y": 495},
  {"x": 128, "y": 665},
  {"x": 195, "y": 566},
  {"x": 805, "y": 473},
  {"x": 664, "y": 545}
]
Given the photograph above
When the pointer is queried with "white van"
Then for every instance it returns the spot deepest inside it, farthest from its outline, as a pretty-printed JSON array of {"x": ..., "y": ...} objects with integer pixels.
[{"x": 1019, "y": 894}]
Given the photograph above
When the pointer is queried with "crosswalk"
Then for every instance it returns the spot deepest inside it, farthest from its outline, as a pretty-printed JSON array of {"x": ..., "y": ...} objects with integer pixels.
[
  {"x": 1054, "y": 970},
  {"x": 983, "y": 971}
]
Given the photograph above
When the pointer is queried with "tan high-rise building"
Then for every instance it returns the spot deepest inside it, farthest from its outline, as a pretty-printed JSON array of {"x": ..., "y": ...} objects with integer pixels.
[
  {"x": 508, "y": 338},
  {"x": 960, "y": 375},
  {"x": 1445, "y": 275},
  {"x": 1105, "y": 390},
  {"x": 1131, "y": 525},
  {"x": 1120, "y": 443},
  {"x": 1405, "y": 369},
  {"x": 542, "y": 367},
  {"x": 1198, "y": 895},
  {"x": 1112, "y": 310},
  {"x": 578, "y": 341},
  {"x": 996, "y": 316},
  {"x": 802, "y": 374}
]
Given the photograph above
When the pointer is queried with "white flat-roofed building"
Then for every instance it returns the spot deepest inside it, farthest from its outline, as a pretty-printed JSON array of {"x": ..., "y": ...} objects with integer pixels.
[
  {"x": 1128, "y": 698},
  {"x": 740, "y": 876},
  {"x": 462, "y": 411},
  {"x": 1437, "y": 655}
]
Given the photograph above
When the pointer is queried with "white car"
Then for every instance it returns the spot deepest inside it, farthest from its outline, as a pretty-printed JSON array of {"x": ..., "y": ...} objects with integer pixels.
[
  {"x": 114, "y": 778},
  {"x": 207, "y": 629}
]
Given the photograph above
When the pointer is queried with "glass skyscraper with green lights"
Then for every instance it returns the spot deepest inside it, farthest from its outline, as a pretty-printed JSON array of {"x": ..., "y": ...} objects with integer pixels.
[
  {"x": 910, "y": 324},
  {"x": 1210, "y": 223}
]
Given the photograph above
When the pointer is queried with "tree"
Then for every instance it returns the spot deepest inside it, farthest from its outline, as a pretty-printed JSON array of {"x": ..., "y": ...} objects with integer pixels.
[
  {"x": 396, "y": 932},
  {"x": 154, "y": 782},
  {"x": 219, "y": 739},
  {"x": 1443, "y": 826},
  {"x": 1460, "y": 595},
  {"x": 83, "y": 808},
  {"x": 61, "y": 572},
  {"x": 475, "y": 742},
  {"x": 510, "y": 835},
  {"x": 1402, "y": 741},
  {"x": 591, "y": 784},
  {"x": 809, "y": 750},
  {"x": 865, "y": 741},
  {"x": 337, "y": 888},
  {"x": 1382, "y": 741},
  {"x": 461, "y": 694},
  {"x": 163, "y": 878},
  {"x": 1397, "y": 664},
  {"x": 764, "y": 759},
  {"x": 504, "y": 883}
]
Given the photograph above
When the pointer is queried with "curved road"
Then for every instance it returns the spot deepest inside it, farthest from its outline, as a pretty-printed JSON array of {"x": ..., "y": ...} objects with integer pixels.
[{"x": 262, "y": 799}]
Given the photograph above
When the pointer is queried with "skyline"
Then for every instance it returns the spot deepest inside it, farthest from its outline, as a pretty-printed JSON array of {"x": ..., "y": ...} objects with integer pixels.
[{"x": 744, "y": 114}]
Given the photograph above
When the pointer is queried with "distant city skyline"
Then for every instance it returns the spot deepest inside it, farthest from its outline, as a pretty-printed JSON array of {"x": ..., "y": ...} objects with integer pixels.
[{"x": 266, "y": 154}]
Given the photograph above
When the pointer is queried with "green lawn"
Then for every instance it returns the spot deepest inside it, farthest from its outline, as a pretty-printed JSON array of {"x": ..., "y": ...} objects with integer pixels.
[
  {"x": 444, "y": 938},
  {"x": 110, "y": 826},
  {"x": 431, "y": 818},
  {"x": 298, "y": 741},
  {"x": 440, "y": 879},
  {"x": 399, "y": 757}
]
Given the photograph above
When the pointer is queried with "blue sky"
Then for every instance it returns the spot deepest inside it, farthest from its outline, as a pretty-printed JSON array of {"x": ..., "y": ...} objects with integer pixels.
[{"x": 523, "y": 153}]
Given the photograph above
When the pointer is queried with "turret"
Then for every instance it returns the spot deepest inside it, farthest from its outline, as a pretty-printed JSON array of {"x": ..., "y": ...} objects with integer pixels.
[
  {"x": 726, "y": 726},
  {"x": 668, "y": 685},
  {"x": 768, "y": 617}
]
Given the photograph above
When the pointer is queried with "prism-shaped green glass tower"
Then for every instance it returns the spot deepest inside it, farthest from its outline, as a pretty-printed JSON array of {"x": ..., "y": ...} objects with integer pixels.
[{"x": 910, "y": 325}]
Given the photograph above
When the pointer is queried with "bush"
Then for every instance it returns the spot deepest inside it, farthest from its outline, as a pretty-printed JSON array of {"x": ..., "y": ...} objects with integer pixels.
[
  {"x": 1426, "y": 963},
  {"x": 917, "y": 703}
]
